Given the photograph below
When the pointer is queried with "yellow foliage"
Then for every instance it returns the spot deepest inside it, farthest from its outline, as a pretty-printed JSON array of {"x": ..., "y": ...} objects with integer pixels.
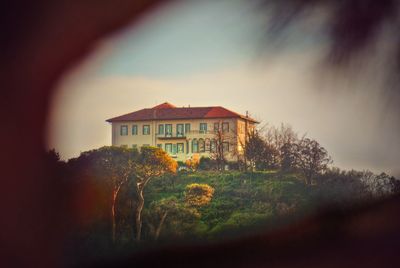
[
  {"x": 198, "y": 194},
  {"x": 193, "y": 162}
]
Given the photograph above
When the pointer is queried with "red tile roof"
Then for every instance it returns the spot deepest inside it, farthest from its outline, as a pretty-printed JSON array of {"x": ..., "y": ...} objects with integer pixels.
[{"x": 167, "y": 111}]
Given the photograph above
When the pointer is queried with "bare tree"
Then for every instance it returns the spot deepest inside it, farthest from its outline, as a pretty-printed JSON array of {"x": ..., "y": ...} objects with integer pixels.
[
  {"x": 223, "y": 143},
  {"x": 280, "y": 143},
  {"x": 260, "y": 154},
  {"x": 310, "y": 158}
]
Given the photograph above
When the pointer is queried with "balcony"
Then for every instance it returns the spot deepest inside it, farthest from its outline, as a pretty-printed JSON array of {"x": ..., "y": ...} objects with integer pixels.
[
  {"x": 171, "y": 136},
  {"x": 200, "y": 134}
]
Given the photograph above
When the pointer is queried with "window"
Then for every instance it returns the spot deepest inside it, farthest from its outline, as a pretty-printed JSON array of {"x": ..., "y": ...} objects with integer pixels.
[
  {"x": 179, "y": 130},
  {"x": 168, "y": 147},
  {"x": 225, "y": 146},
  {"x": 124, "y": 146},
  {"x": 187, "y": 147},
  {"x": 134, "y": 130},
  {"x": 134, "y": 146},
  {"x": 195, "y": 146},
  {"x": 203, "y": 127},
  {"x": 187, "y": 128},
  {"x": 216, "y": 126},
  {"x": 213, "y": 146},
  {"x": 207, "y": 145},
  {"x": 161, "y": 129},
  {"x": 225, "y": 127},
  {"x": 124, "y": 130},
  {"x": 201, "y": 146},
  {"x": 168, "y": 130},
  {"x": 174, "y": 148},
  {"x": 146, "y": 129},
  {"x": 146, "y": 145},
  {"x": 180, "y": 148},
  {"x": 159, "y": 146}
]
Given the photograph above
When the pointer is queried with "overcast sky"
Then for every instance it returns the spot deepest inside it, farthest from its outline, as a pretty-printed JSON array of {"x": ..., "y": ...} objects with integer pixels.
[{"x": 207, "y": 53}]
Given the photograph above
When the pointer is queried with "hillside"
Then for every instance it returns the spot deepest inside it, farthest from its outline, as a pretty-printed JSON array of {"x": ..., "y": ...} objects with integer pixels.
[{"x": 241, "y": 200}]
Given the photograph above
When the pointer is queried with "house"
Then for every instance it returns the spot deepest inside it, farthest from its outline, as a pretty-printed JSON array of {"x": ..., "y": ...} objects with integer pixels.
[{"x": 183, "y": 131}]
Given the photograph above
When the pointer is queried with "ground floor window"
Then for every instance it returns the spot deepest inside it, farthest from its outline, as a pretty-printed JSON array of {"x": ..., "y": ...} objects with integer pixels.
[
  {"x": 195, "y": 146},
  {"x": 202, "y": 146},
  {"x": 180, "y": 148},
  {"x": 174, "y": 148},
  {"x": 213, "y": 146},
  {"x": 225, "y": 146},
  {"x": 168, "y": 147}
]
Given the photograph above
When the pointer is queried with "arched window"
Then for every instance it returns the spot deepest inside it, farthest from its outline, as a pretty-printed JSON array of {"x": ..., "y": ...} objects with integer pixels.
[
  {"x": 213, "y": 146},
  {"x": 202, "y": 146},
  {"x": 207, "y": 145},
  {"x": 195, "y": 146}
]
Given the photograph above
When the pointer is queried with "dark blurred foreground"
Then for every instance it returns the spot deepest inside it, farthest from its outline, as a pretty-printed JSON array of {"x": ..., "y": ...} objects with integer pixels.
[{"x": 40, "y": 41}]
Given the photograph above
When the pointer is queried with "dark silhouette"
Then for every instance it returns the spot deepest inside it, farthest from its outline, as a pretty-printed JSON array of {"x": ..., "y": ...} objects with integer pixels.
[{"x": 40, "y": 40}]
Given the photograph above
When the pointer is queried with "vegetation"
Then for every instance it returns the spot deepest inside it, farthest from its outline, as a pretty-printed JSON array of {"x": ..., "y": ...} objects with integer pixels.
[{"x": 139, "y": 196}]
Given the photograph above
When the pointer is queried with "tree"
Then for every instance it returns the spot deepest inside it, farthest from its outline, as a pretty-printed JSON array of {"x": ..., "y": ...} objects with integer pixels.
[
  {"x": 114, "y": 165},
  {"x": 198, "y": 195},
  {"x": 259, "y": 153},
  {"x": 152, "y": 162},
  {"x": 224, "y": 142},
  {"x": 310, "y": 158},
  {"x": 283, "y": 140},
  {"x": 193, "y": 162},
  {"x": 173, "y": 214}
]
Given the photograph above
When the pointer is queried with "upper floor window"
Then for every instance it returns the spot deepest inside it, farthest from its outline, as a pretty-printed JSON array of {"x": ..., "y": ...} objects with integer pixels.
[
  {"x": 161, "y": 129},
  {"x": 179, "y": 130},
  {"x": 225, "y": 127},
  {"x": 216, "y": 126},
  {"x": 146, "y": 129},
  {"x": 124, "y": 130},
  {"x": 168, "y": 129},
  {"x": 203, "y": 127},
  {"x": 187, "y": 127},
  {"x": 134, "y": 130}
]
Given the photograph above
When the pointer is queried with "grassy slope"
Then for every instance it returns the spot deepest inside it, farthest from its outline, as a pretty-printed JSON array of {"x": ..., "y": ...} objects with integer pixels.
[{"x": 241, "y": 200}]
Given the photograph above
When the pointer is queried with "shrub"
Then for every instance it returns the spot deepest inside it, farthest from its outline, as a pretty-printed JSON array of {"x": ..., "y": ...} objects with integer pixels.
[{"x": 198, "y": 194}]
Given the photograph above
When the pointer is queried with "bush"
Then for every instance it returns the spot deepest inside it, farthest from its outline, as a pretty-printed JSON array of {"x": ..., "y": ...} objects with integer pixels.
[
  {"x": 207, "y": 163},
  {"x": 198, "y": 194}
]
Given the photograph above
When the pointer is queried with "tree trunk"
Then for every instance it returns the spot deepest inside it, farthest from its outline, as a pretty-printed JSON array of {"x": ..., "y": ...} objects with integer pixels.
[
  {"x": 139, "y": 213},
  {"x": 114, "y": 224},
  {"x": 113, "y": 212},
  {"x": 158, "y": 231}
]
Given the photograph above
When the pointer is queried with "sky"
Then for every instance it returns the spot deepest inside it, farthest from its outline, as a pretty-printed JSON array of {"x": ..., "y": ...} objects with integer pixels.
[{"x": 204, "y": 53}]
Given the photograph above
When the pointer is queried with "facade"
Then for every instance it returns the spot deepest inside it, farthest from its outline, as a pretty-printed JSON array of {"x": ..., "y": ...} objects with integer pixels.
[{"x": 183, "y": 132}]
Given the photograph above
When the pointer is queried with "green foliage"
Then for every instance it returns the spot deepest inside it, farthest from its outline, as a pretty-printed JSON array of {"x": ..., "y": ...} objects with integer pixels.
[{"x": 184, "y": 205}]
